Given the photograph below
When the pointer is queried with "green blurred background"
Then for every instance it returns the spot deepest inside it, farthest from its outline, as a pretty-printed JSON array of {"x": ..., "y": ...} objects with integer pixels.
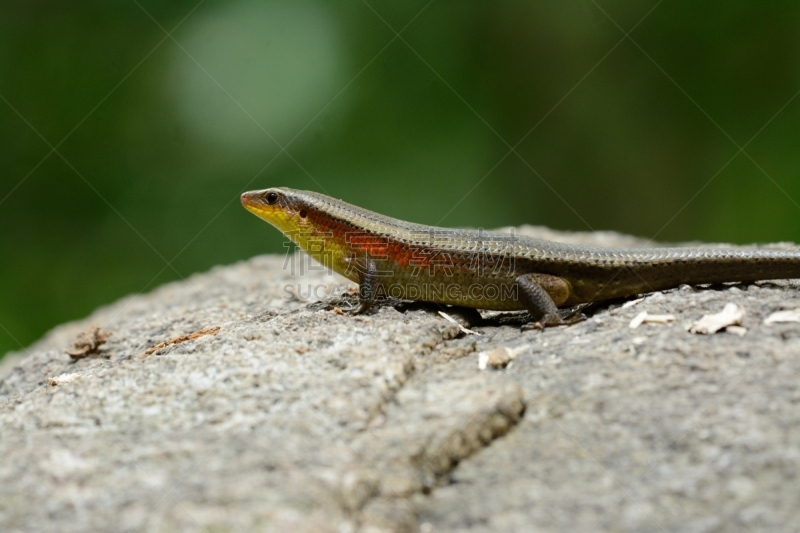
[{"x": 160, "y": 136}]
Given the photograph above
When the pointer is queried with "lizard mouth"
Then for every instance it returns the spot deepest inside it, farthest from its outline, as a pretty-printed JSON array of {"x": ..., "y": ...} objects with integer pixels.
[{"x": 254, "y": 202}]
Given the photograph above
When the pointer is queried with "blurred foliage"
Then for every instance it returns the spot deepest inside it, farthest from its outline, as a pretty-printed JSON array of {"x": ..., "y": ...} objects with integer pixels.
[{"x": 158, "y": 135}]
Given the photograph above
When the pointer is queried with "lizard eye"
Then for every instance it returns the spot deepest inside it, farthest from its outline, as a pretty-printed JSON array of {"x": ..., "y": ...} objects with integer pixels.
[{"x": 271, "y": 198}]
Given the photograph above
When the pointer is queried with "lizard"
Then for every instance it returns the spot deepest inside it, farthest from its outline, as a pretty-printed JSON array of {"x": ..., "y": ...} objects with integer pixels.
[{"x": 392, "y": 258}]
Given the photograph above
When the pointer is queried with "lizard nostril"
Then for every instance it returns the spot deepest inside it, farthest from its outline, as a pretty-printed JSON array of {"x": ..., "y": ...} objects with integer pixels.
[{"x": 303, "y": 213}]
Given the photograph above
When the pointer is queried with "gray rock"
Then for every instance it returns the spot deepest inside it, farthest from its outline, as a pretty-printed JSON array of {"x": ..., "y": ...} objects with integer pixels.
[{"x": 293, "y": 417}]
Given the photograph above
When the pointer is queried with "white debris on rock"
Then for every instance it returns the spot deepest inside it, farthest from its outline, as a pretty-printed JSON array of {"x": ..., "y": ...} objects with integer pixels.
[
  {"x": 731, "y": 315},
  {"x": 736, "y": 330},
  {"x": 645, "y": 317},
  {"x": 460, "y": 327},
  {"x": 500, "y": 356},
  {"x": 631, "y": 303},
  {"x": 787, "y": 315},
  {"x": 63, "y": 378}
]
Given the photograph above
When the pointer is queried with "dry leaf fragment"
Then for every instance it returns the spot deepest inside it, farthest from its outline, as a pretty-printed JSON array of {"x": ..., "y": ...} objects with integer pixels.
[
  {"x": 731, "y": 315},
  {"x": 788, "y": 315},
  {"x": 645, "y": 317},
  {"x": 181, "y": 339},
  {"x": 63, "y": 378},
  {"x": 88, "y": 342}
]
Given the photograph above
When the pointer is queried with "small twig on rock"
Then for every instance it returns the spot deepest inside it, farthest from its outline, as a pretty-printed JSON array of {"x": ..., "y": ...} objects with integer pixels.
[{"x": 179, "y": 340}]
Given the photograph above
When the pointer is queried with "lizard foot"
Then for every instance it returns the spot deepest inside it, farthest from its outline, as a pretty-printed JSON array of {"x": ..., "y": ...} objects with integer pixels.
[{"x": 554, "y": 319}]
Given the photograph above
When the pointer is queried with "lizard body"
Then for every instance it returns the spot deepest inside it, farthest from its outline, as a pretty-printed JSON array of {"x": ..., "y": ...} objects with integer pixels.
[{"x": 388, "y": 257}]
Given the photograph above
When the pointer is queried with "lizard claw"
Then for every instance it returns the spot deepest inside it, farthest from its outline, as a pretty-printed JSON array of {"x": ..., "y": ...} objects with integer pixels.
[{"x": 361, "y": 308}]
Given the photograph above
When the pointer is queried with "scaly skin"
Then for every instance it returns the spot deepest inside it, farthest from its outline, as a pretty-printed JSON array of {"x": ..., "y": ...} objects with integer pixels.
[{"x": 490, "y": 270}]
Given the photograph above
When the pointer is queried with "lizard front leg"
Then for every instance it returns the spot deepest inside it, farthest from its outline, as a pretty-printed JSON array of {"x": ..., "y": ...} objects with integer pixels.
[{"x": 368, "y": 286}]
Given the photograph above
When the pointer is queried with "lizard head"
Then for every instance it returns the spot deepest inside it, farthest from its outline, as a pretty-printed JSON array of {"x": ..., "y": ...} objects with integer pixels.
[
  {"x": 283, "y": 208},
  {"x": 298, "y": 215}
]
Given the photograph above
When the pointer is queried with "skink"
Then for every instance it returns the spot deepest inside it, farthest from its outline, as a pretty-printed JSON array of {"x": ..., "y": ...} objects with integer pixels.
[{"x": 390, "y": 258}]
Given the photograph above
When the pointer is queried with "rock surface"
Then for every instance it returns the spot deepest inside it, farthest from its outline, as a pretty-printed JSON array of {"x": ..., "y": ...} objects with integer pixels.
[{"x": 293, "y": 417}]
